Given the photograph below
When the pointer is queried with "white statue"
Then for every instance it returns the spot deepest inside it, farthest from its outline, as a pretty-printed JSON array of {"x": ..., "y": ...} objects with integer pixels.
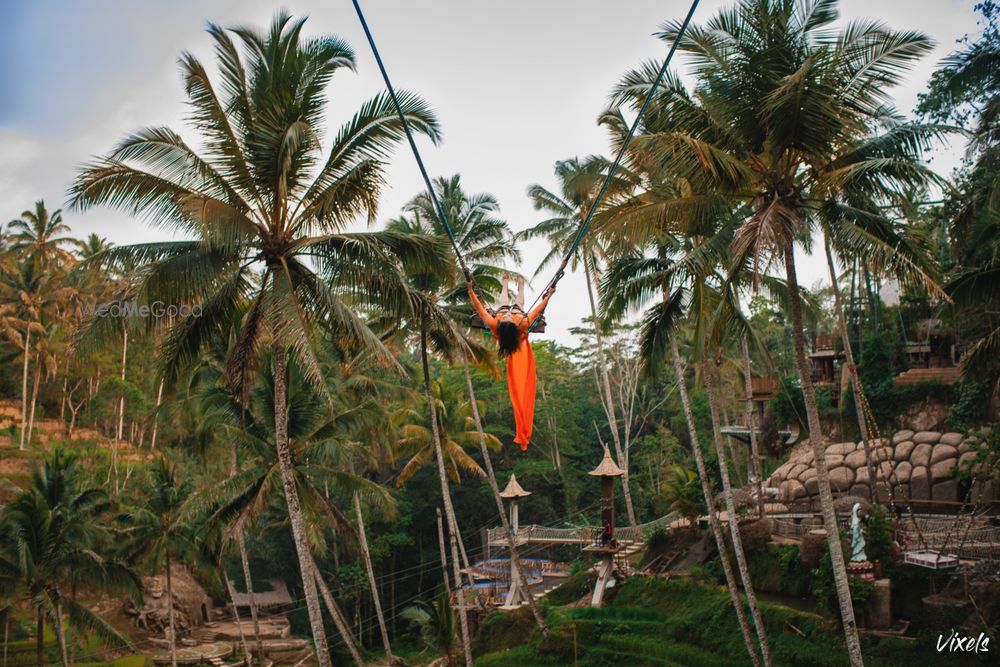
[{"x": 857, "y": 536}]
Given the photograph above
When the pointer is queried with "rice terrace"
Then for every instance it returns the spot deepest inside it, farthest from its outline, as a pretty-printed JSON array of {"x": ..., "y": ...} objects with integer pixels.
[{"x": 353, "y": 332}]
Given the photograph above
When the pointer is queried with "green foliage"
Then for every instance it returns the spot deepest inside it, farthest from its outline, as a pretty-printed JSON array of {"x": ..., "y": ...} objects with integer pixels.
[
  {"x": 779, "y": 569},
  {"x": 825, "y": 592},
  {"x": 878, "y": 532},
  {"x": 971, "y": 408}
]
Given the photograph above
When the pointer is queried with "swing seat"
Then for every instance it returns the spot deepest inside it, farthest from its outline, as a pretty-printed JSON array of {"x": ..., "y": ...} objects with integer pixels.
[
  {"x": 476, "y": 322},
  {"x": 930, "y": 559}
]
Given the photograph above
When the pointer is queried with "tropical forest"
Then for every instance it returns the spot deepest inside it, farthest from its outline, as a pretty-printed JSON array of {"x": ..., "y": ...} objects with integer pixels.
[{"x": 729, "y": 397}]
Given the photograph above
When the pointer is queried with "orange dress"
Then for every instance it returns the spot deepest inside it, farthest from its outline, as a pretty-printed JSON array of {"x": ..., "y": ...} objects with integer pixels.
[{"x": 521, "y": 382}]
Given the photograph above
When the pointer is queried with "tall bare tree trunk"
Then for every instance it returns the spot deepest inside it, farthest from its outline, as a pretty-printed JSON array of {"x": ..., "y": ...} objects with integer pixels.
[
  {"x": 34, "y": 398},
  {"x": 231, "y": 591},
  {"x": 40, "y": 639},
  {"x": 449, "y": 510},
  {"x": 853, "y": 371},
  {"x": 371, "y": 580},
  {"x": 734, "y": 528},
  {"x": 61, "y": 635},
  {"x": 818, "y": 441},
  {"x": 443, "y": 552},
  {"x": 170, "y": 613},
  {"x": 241, "y": 544},
  {"x": 713, "y": 519},
  {"x": 495, "y": 488},
  {"x": 24, "y": 386},
  {"x": 609, "y": 399},
  {"x": 337, "y": 615},
  {"x": 299, "y": 535},
  {"x": 156, "y": 417},
  {"x": 754, "y": 469}
]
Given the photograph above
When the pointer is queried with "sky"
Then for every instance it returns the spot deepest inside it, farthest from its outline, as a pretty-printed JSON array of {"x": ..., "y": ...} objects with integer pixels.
[{"x": 516, "y": 84}]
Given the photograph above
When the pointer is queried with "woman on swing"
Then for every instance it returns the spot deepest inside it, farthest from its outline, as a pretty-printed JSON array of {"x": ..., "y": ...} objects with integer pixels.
[{"x": 510, "y": 327}]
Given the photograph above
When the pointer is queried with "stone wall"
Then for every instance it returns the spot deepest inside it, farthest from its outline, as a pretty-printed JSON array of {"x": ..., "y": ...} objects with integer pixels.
[{"x": 920, "y": 465}]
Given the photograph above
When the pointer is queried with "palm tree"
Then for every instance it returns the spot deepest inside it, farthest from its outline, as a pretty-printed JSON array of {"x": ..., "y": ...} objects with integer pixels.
[
  {"x": 679, "y": 492},
  {"x": 264, "y": 213},
  {"x": 780, "y": 97},
  {"x": 579, "y": 182},
  {"x": 52, "y": 541},
  {"x": 156, "y": 533},
  {"x": 35, "y": 236},
  {"x": 458, "y": 433}
]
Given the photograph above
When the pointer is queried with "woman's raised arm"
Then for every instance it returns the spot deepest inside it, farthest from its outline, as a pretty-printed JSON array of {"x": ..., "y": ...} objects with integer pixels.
[{"x": 484, "y": 314}]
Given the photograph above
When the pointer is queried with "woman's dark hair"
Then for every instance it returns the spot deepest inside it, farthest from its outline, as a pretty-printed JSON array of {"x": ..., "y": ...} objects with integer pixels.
[{"x": 508, "y": 337}]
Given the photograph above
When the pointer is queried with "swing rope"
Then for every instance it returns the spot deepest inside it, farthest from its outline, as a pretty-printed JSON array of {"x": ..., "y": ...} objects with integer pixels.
[
  {"x": 607, "y": 181},
  {"x": 413, "y": 144},
  {"x": 560, "y": 272}
]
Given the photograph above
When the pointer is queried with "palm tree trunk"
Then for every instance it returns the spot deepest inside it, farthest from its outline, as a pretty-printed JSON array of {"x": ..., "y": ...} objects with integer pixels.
[
  {"x": 443, "y": 552},
  {"x": 294, "y": 509},
  {"x": 713, "y": 519},
  {"x": 61, "y": 635},
  {"x": 336, "y": 614},
  {"x": 371, "y": 580},
  {"x": 609, "y": 400},
  {"x": 754, "y": 467},
  {"x": 40, "y": 639},
  {"x": 734, "y": 528},
  {"x": 170, "y": 613},
  {"x": 156, "y": 417},
  {"x": 449, "y": 510},
  {"x": 241, "y": 544},
  {"x": 24, "y": 386},
  {"x": 62, "y": 402},
  {"x": 236, "y": 614},
  {"x": 853, "y": 370},
  {"x": 34, "y": 399},
  {"x": 495, "y": 488},
  {"x": 819, "y": 446}
]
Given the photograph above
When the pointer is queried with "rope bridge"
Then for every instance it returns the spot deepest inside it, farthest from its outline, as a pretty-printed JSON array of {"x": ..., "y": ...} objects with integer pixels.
[{"x": 534, "y": 534}]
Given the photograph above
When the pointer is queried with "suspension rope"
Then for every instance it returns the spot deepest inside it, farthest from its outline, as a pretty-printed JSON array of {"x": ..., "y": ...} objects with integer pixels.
[
  {"x": 621, "y": 154},
  {"x": 413, "y": 144}
]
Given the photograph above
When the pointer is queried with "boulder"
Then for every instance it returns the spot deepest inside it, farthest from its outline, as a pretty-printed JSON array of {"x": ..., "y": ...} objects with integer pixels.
[
  {"x": 943, "y": 469},
  {"x": 833, "y": 460},
  {"x": 884, "y": 470},
  {"x": 796, "y": 470},
  {"x": 841, "y": 478},
  {"x": 807, "y": 474},
  {"x": 881, "y": 453},
  {"x": 856, "y": 459},
  {"x": 966, "y": 460},
  {"x": 782, "y": 470},
  {"x": 901, "y": 436},
  {"x": 904, "y": 449},
  {"x": 930, "y": 437},
  {"x": 942, "y": 452},
  {"x": 921, "y": 455},
  {"x": 882, "y": 492},
  {"x": 953, "y": 439},
  {"x": 946, "y": 490},
  {"x": 903, "y": 470},
  {"x": 861, "y": 475},
  {"x": 920, "y": 488},
  {"x": 791, "y": 490},
  {"x": 862, "y": 491},
  {"x": 841, "y": 448},
  {"x": 812, "y": 485}
]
